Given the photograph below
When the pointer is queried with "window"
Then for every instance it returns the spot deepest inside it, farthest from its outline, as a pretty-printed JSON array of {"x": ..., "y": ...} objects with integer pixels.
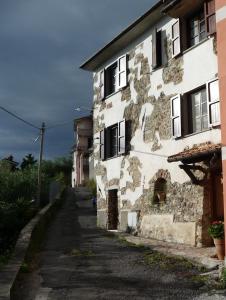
[
  {"x": 114, "y": 77},
  {"x": 176, "y": 47},
  {"x": 210, "y": 16},
  {"x": 213, "y": 103},
  {"x": 196, "y": 28},
  {"x": 176, "y": 116},
  {"x": 199, "y": 115},
  {"x": 156, "y": 49},
  {"x": 111, "y": 73},
  {"x": 90, "y": 142},
  {"x": 114, "y": 140},
  {"x": 195, "y": 111},
  {"x": 159, "y": 191}
]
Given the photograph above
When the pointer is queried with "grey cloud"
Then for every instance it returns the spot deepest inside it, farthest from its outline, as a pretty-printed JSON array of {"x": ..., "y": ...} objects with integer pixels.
[{"x": 42, "y": 45}]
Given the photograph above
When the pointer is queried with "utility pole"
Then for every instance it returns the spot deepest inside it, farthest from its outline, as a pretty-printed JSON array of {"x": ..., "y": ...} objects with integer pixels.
[{"x": 42, "y": 133}]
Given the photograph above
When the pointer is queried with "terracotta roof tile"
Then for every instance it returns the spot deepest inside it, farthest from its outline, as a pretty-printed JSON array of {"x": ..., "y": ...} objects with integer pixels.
[{"x": 195, "y": 152}]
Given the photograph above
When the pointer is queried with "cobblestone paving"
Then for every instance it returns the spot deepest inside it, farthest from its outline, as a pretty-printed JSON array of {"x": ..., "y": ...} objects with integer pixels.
[{"x": 79, "y": 261}]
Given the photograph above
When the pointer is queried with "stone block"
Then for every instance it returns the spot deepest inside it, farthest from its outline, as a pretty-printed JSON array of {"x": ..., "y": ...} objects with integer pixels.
[
  {"x": 163, "y": 227},
  {"x": 123, "y": 220},
  {"x": 102, "y": 219}
]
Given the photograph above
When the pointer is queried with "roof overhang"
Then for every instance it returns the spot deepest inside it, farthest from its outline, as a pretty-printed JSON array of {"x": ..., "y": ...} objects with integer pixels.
[
  {"x": 179, "y": 8},
  {"x": 196, "y": 154},
  {"x": 130, "y": 34}
]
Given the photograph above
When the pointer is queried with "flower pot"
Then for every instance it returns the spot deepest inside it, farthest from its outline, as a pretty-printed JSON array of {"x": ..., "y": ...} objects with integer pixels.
[{"x": 220, "y": 248}]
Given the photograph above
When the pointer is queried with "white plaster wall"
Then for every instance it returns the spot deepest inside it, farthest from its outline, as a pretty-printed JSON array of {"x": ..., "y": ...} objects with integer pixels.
[
  {"x": 200, "y": 66},
  {"x": 74, "y": 175}
]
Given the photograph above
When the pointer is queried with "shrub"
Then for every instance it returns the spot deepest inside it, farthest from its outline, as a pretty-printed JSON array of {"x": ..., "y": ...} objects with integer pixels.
[
  {"x": 91, "y": 184},
  {"x": 216, "y": 230},
  {"x": 17, "y": 189}
]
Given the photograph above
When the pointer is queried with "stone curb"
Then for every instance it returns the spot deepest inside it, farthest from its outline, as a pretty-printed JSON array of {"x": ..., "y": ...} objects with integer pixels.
[{"x": 29, "y": 236}]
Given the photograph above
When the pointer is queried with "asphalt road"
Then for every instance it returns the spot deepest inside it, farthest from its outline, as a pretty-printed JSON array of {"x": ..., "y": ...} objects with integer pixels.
[{"x": 79, "y": 261}]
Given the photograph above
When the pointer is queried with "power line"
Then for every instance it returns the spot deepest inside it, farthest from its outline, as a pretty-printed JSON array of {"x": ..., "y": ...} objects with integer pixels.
[
  {"x": 36, "y": 127},
  {"x": 19, "y": 118}
]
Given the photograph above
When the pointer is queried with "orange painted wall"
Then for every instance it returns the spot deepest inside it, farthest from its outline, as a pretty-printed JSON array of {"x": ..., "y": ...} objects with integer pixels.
[{"x": 221, "y": 51}]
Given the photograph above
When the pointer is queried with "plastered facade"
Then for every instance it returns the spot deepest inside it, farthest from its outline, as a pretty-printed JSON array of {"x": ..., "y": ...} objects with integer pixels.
[{"x": 146, "y": 102}]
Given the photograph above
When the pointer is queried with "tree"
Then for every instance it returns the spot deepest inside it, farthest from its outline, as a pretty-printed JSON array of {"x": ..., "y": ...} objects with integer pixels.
[
  {"x": 28, "y": 161},
  {"x": 60, "y": 167},
  {"x": 9, "y": 161}
]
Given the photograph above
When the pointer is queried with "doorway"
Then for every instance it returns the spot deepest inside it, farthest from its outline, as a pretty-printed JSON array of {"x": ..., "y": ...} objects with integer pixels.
[
  {"x": 218, "y": 199},
  {"x": 112, "y": 209}
]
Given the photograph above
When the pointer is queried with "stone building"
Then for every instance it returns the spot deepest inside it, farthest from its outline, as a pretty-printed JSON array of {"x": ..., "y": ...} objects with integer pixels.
[
  {"x": 83, "y": 164},
  {"x": 157, "y": 130}
]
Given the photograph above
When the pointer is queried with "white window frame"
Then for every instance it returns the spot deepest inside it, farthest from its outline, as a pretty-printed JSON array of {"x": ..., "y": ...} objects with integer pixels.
[
  {"x": 174, "y": 117},
  {"x": 102, "y": 85},
  {"x": 211, "y": 103},
  {"x": 174, "y": 38},
  {"x": 120, "y": 82}
]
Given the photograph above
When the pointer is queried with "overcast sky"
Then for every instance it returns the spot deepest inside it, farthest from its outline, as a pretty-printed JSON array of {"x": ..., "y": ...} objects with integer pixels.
[{"x": 42, "y": 45}]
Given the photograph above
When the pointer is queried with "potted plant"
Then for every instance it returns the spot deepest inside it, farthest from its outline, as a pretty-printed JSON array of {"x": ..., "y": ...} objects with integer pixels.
[{"x": 216, "y": 231}]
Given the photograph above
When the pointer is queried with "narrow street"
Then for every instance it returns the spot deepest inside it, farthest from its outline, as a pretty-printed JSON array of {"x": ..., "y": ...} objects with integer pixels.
[{"x": 79, "y": 261}]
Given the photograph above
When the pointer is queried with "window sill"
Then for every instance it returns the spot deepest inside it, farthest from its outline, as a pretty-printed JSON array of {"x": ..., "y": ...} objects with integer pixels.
[
  {"x": 193, "y": 47},
  {"x": 197, "y": 132},
  {"x": 112, "y": 94},
  {"x": 116, "y": 156}
]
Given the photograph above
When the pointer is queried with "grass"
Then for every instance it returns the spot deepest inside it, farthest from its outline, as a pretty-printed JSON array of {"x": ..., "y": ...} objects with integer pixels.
[
  {"x": 203, "y": 279},
  {"x": 123, "y": 241},
  {"x": 25, "y": 268},
  {"x": 80, "y": 253},
  {"x": 223, "y": 278},
  {"x": 4, "y": 259},
  {"x": 164, "y": 261}
]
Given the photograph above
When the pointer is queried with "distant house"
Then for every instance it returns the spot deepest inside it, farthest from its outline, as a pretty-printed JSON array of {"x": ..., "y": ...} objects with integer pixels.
[
  {"x": 157, "y": 119},
  {"x": 82, "y": 151}
]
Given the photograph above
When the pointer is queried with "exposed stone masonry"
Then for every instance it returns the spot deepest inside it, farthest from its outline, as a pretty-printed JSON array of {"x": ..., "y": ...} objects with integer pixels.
[
  {"x": 174, "y": 71},
  {"x": 184, "y": 201},
  {"x": 158, "y": 122}
]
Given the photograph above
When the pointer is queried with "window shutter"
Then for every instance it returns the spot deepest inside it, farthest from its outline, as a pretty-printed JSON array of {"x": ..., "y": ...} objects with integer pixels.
[
  {"x": 210, "y": 16},
  {"x": 176, "y": 116},
  {"x": 176, "y": 41},
  {"x": 102, "y": 144},
  {"x": 213, "y": 102},
  {"x": 122, "y": 137},
  {"x": 156, "y": 49},
  {"x": 122, "y": 72},
  {"x": 102, "y": 85}
]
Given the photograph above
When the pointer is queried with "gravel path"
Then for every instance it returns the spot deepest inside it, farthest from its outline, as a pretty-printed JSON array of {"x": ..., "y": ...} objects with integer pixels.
[{"x": 79, "y": 261}]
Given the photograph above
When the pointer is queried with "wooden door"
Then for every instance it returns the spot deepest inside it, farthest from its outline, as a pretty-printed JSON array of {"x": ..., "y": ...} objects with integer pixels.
[
  {"x": 112, "y": 209},
  {"x": 218, "y": 200}
]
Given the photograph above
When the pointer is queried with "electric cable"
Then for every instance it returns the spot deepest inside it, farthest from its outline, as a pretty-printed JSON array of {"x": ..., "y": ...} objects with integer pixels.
[{"x": 19, "y": 118}]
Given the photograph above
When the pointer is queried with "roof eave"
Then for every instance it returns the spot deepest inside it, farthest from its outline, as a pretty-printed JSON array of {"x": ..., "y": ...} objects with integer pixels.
[
  {"x": 194, "y": 156},
  {"x": 94, "y": 61}
]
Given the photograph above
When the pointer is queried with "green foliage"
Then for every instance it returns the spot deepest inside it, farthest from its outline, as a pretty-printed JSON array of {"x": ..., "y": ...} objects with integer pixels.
[
  {"x": 28, "y": 162},
  {"x": 19, "y": 187},
  {"x": 24, "y": 268},
  {"x": 59, "y": 169},
  {"x": 223, "y": 277},
  {"x": 91, "y": 184},
  {"x": 19, "y": 184},
  {"x": 216, "y": 230}
]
